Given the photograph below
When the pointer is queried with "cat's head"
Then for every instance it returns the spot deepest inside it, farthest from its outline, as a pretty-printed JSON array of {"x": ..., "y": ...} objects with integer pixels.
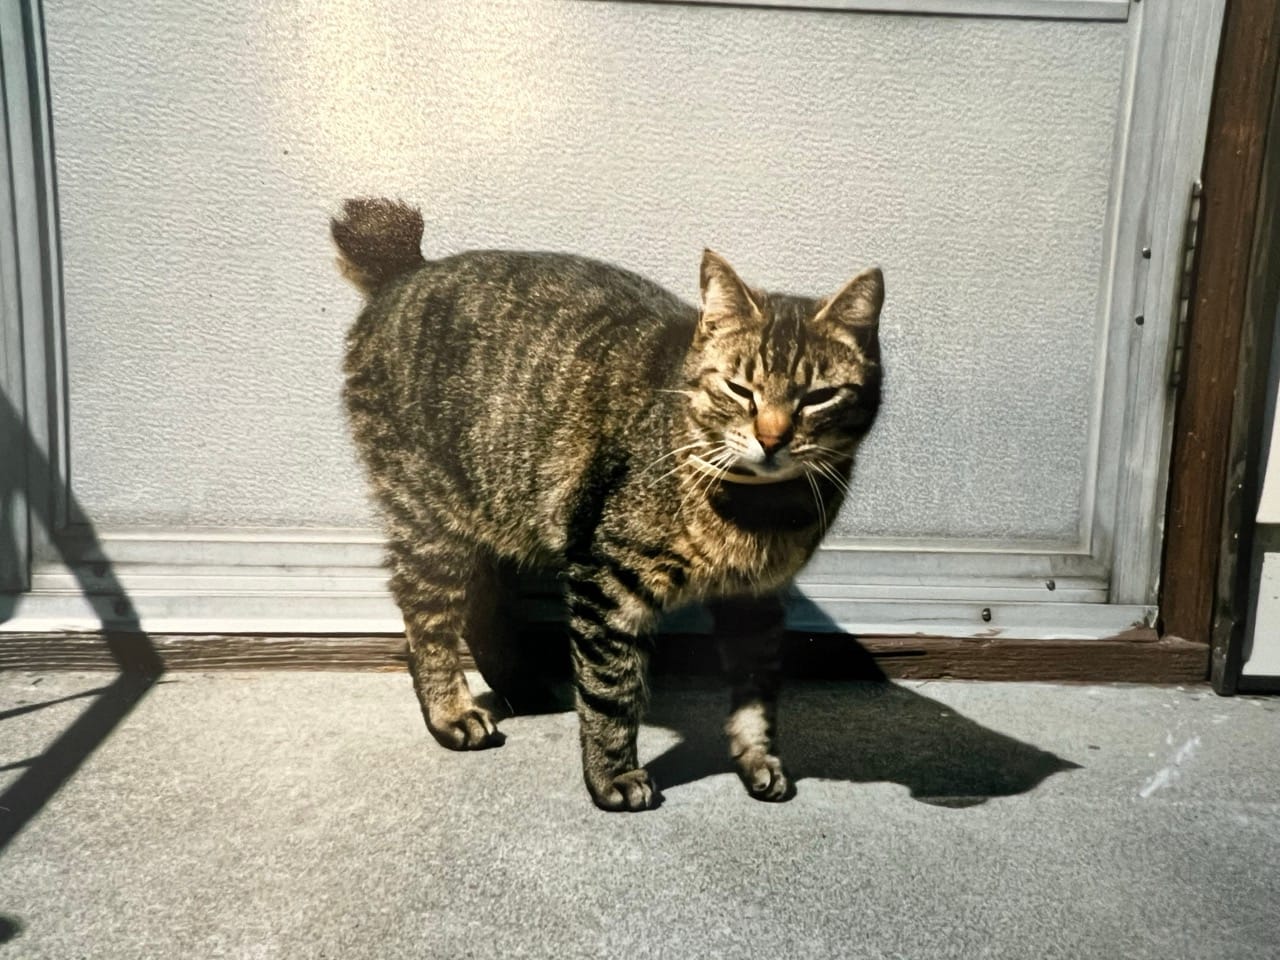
[{"x": 781, "y": 385}]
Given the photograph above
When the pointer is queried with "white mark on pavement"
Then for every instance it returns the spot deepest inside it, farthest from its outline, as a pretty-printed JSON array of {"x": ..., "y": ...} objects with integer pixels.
[{"x": 1170, "y": 772}]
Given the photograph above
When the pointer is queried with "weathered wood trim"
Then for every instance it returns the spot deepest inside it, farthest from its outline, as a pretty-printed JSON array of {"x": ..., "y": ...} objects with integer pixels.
[
  {"x": 1137, "y": 656},
  {"x": 1243, "y": 542},
  {"x": 1232, "y": 174},
  {"x": 1136, "y": 660}
]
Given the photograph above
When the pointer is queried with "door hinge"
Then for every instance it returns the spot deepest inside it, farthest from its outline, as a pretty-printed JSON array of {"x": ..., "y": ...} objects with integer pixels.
[{"x": 1186, "y": 278}]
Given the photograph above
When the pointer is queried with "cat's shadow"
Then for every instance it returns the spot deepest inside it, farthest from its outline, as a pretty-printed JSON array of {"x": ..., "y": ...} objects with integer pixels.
[
  {"x": 840, "y": 718},
  {"x": 862, "y": 731}
]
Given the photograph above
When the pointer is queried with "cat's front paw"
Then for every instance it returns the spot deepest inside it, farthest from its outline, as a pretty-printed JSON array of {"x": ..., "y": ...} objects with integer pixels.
[
  {"x": 469, "y": 729},
  {"x": 764, "y": 778},
  {"x": 628, "y": 792}
]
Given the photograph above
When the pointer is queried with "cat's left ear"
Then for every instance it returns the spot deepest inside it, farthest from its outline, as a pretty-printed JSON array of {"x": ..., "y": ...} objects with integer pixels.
[{"x": 857, "y": 305}]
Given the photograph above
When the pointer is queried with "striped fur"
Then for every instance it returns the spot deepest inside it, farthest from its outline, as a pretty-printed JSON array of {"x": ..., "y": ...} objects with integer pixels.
[{"x": 551, "y": 411}]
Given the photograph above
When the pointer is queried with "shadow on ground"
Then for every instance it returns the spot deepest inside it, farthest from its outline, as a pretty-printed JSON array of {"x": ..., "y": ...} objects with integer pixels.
[
  {"x": 861, "y": 732},
  {"x": 137, "y": 660},
  {"x": 840, "y": 718},
  {"x": 10, "y": 927}
]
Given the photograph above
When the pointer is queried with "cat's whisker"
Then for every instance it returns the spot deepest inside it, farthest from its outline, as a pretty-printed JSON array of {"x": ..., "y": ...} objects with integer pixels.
[
  {"x": 718, "y": 450},
  {"x": 672, "y": 453},
  {"x": 677, "y": 450},
  {"x": 825, "y": 470},
  {"x": 702, "y": 485},
  {"x": 841, "y": 454},
  {"x": 832, "y": 472},
  {"x": 817, "y": 499},
  {"x": 722, "y": 469},
  {"x": 697, "y": 482},
  {"x": 829, "y": 472}
]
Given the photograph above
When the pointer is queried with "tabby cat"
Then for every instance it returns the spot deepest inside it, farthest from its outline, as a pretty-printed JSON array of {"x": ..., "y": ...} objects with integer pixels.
[{"x": 562, "y": 413}]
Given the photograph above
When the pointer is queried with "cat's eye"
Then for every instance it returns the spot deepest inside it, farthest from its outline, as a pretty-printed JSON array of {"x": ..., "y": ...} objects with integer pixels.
[
  {"x": 816, "y": 398},
  {"x": 746, "y": 393}
]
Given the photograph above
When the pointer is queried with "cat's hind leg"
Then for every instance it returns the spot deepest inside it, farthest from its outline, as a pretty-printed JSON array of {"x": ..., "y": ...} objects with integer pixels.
[
  {"x": 440, "y": 585},
  {"x": 749, "y": 633}
]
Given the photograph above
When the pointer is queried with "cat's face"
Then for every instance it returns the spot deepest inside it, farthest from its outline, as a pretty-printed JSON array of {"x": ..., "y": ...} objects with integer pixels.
[{"x": 782, "y": 385}]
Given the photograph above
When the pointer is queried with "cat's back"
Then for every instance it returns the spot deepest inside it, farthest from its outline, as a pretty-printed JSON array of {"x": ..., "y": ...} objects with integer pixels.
[
  {"x": 507, "y": 338},
  {"x": 523, "y": 298}
]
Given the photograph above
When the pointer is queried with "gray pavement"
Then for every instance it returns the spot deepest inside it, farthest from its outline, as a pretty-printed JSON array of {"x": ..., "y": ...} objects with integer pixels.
[{"x": 282, "y": 815}]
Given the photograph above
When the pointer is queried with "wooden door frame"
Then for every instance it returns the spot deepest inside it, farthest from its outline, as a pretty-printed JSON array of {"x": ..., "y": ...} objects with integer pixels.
[{"x": 1200, "y": 519}]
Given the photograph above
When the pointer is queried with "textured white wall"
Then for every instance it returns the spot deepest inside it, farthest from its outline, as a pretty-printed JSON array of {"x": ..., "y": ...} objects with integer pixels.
[{"x": 200, "y": 148}]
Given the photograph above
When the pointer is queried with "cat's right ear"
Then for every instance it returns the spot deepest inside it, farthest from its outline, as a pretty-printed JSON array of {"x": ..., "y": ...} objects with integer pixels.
[{"x": 726, "y": 300}]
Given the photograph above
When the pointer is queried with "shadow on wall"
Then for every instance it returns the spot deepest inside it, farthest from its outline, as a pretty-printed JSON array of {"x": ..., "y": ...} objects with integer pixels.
[{"x": 139, "y": 664}]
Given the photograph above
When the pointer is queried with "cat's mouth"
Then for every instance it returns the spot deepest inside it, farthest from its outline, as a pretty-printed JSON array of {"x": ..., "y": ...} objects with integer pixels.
[{"x": 748, "y": 472}]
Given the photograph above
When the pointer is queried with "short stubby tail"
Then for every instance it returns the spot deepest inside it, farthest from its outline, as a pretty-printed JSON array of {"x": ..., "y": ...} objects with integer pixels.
[{"x": 377, "y": 241}]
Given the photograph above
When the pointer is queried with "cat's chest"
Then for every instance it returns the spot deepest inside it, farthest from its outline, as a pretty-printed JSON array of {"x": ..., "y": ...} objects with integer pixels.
[{"x": 724, "y": 561}]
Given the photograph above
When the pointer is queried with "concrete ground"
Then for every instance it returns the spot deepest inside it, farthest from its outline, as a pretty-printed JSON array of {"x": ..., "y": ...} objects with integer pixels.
[{"x": 298, "y": 815}]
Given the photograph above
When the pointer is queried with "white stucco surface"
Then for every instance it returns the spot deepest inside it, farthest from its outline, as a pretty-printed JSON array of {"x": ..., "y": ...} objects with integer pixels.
[{"x": 201, "y": 147}]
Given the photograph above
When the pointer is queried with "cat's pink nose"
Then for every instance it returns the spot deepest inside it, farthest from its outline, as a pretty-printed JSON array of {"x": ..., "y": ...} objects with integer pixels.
[
  {"x": 773, "y": 430},
  {"x": 771, "y": 443}
]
